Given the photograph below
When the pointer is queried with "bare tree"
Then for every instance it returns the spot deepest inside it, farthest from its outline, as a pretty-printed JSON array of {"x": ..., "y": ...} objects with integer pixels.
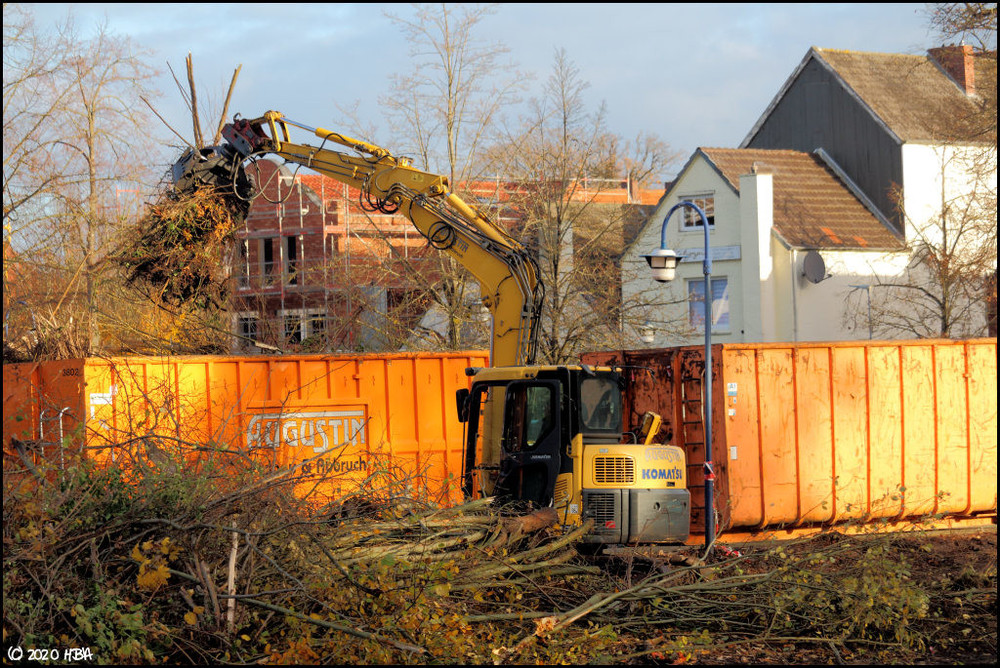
[
  {"x": 944, "y": 289},
  {"x": 103, "y": 132},
  {"x": 32, "y": 102},
  {"x": 565, "y": 162},
  {"x": 445, "y": 112},
  {"x": 972, "y": 23},
  {"x": 949, "y": 287},
  {"x": 78, "y": 147},
  {"x": 460, "y": 85}
]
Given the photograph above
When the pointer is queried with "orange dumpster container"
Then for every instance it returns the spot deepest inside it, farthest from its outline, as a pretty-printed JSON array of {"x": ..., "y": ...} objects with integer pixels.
[
  {"x": 345, "y": 420},
  {"x": 816, "y": 434}
]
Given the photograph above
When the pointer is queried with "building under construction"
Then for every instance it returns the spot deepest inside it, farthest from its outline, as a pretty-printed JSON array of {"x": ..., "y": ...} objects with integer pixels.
[{"x": 318, "y": 271}]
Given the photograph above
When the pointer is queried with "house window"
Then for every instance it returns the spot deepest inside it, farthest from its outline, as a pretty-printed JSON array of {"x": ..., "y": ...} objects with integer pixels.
[
  {"x": 244, "y": 267},
  {"x": 302, "y": 325},
  {"x": 720, "y": 303},
  {"x": 292, "y": 259},
  {"x": 316, "y": 324},
  {"x": 246, "y": 327},
  {"x": 267, "y": 261},
  {"x": 692, "y": 220},
  {"x": 293, "y": 328}
]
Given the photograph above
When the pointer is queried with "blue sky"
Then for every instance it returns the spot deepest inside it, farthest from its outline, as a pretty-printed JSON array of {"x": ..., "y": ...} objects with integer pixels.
[{"x": 696, "y": 75}]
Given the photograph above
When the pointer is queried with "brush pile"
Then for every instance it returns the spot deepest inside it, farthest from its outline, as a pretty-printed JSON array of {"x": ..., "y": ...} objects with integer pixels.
[
  {"x": 179, "y": 252},
  {"x": 156, "y": 561},
  {"x": 159, "y": 561}
]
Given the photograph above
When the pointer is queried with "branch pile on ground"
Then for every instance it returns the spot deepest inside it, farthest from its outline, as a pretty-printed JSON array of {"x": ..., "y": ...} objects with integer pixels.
[
  {"x": 178, "y": 251},
  {"x": 831, "y": 597},
  {"x": 156, "y": 559},
  {"x": 164, "y": 561}
]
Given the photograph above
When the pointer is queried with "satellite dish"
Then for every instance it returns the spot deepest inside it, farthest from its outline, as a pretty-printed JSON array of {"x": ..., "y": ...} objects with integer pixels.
[{"x": 813, "y": 267}]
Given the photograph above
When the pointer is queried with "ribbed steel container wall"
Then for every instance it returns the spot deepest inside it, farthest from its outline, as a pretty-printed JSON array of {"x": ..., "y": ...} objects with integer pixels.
[
  {"x": 814, "y": 434},
  {"x": 368, "y": 413}
]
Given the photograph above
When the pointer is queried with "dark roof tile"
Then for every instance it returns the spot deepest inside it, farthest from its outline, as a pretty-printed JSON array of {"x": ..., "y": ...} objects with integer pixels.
[{"x": 913, "y": 95}]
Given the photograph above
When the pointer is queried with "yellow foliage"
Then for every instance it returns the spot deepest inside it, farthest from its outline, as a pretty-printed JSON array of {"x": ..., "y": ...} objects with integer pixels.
[
  {"x": 154, "y": 559},
  {"x": 152, "y": 579},
  {"x": 191, "y": 617}
]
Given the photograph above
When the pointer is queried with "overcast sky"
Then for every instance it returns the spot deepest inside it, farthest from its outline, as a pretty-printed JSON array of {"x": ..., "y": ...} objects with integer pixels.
[{"x": 696, "y": 75}]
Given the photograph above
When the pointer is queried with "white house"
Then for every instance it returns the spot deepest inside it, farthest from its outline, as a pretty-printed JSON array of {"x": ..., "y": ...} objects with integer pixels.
[
  {"x": 908, "y": 149},
  {"x": 790, "y": 239},
  {"x": 917, "y": 134}
]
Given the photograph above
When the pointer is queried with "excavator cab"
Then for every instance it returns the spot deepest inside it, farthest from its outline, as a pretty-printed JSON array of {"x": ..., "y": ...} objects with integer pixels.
[
  {"x": 517, "y": 425},
  {"x": 521, "y": 425},
  {"x": 541, "y": 437}
]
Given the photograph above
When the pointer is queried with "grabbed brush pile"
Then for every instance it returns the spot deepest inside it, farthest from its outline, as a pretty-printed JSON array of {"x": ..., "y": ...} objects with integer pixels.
[{"x": 179, "y": 251}]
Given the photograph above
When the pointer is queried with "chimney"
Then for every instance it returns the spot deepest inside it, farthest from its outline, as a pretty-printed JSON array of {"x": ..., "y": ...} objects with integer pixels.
[
  {"x": 760, "y": 314},
  {"x": 958, "y": 62}
]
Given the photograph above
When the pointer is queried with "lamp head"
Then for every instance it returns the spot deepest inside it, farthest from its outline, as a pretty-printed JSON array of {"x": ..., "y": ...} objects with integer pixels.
[
  {"x": 663, "y": 262},
  {"x": 646, "y": 332}
]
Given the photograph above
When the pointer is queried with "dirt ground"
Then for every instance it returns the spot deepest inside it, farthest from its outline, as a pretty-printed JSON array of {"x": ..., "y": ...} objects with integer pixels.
[
  {"x": 957, "y": 568},
  {"x": 959, "y": 562}
]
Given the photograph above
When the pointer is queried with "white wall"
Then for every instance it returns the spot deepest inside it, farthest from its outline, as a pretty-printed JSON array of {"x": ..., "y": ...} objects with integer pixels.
[
  {"x": 758, "y": 281},
  {"x": 835, "y": 309},
  {"x": 938, "y": 177},
  {"x": 952, "y": 190},
  {"x": 699, "y": 178}
]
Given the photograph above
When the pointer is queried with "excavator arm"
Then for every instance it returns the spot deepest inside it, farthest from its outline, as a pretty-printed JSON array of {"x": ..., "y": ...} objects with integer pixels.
[
  {"x": 539, "y": 435},
  {"x": 510, "y": 286}
]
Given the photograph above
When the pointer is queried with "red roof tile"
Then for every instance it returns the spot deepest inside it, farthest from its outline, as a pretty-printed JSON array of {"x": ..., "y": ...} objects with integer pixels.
[{"x": 813, "y": 208}]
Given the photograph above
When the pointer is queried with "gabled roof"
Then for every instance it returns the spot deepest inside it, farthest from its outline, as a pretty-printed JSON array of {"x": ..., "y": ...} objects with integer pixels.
[
  {"x": 813, "y": 207},
  {"x": 912, "y": 96}
]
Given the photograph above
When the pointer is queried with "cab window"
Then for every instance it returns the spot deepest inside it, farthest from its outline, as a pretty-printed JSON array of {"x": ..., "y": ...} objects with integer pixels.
[
  {"x": 529, "y": 416},
  {"x": 600, "y": 404}
]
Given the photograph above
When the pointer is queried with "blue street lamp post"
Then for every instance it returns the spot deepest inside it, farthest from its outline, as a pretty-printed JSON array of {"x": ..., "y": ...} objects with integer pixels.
[
  {"x": 868, "y": 289},
  {"x": 663, "y": 263}
]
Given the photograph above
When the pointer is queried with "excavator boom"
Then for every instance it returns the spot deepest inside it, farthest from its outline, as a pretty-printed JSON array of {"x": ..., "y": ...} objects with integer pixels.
[{"x": 508, "y": 276}]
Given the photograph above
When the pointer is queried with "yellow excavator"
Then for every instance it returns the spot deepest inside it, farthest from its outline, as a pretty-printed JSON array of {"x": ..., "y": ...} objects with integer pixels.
[{"x": 536, "y": 435}]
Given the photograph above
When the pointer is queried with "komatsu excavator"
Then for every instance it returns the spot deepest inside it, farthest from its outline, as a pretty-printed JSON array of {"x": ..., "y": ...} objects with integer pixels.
[{"x": 540, "y": 436}]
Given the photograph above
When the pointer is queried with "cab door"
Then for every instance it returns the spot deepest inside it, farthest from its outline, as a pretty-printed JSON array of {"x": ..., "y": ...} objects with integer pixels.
[{"x": 531, "y": 445}]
